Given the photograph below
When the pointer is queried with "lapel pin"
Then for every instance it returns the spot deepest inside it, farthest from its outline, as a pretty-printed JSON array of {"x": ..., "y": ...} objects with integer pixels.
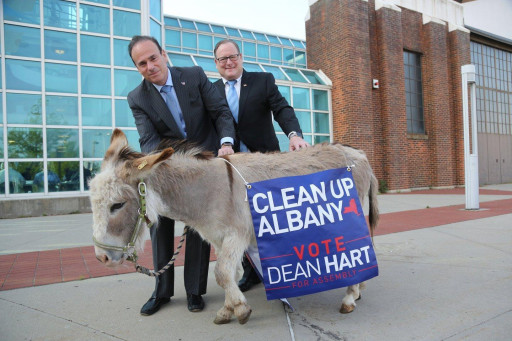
[
  {"x": 245, "y": 84},
  {"x": 182, "y": 83}
]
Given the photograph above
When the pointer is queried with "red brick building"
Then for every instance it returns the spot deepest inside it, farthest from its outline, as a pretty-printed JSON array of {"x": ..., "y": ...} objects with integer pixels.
[{"x": 411, "y": 125}]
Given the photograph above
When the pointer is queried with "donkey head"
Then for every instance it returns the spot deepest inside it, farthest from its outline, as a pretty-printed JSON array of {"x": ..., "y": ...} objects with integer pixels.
[{"x": 115, "y": 199}]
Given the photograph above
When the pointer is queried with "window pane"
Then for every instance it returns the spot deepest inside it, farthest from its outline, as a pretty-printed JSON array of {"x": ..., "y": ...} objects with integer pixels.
[
  {"x": 320, "y": 100},
  {"x": 1, "y": 118},
  {"x": 285, "y": 91},
  {"x": 208, "y": 64},
  {"x": 284, "y": 143},
  {"x": 295, "y": 75},
  {"x": 60, "y": 14},
  {"x": 273, "y": 39},
  {"x": 133, "y": 139},
  {"x": 94, "y": 19},
  {"x": 288, "y": 56},
  {"x": 286, "y": 41},
  {"x": 90, "y": 83},
  {"x": 24, "y": 109},
  {"x": 187, "y": 24},
  {"x": 68, "y": 172},
  {"x": 126, "y": 3},
  {"x": 321, "y": 139},
  {"x": 205, "y": 43},
  {"x": 52, "y": 178},
  {"x": 21, "y": 175},
  {"x": 121, "y": 26},
  {"x": 1, "y": 86},
  {"x": 95, "y": 50},
  {"x": 96, "y": 112},
  {"x": 154, "y": 9},
  {"x": 25, "y": 142},
  {"x": 190, "y": 40},
  {"x": 180, "y": 59},
  {"x": 95, "y": 142},
  {"x": 171, "y": 21},
  {"x": 278, "y": 74},
  {"x": 1, "y": 148},
  {"x": 22, "y": 41},
  {"x": 260, "y": 36},
  {"x": 247, "y": 34},
  {"x": 155, "y": 30},
  {"x": 61, "y": 110},
  {"x": 103, "y": 2},
  {"x": 251, "y": 67},
  {"x": 249, "y": 51},
  {"x": 321, "y": 123},
  {"x": 22, "y": 75},
  {"x": 233, "y": 32},
  {"x": 121, "y": 56},
  {"x": 22, "y": 11},
  {"x": 60, "y": 45},
  {"x": 125, "y": 81},
  {"x": 218, "y": 29},
  {"x": 263, "y": 52},
  {"x": 172, "y": 38},
  {"x": 124, "y": 116},
  {"x": 62, "y": 143},
  {"x": 301, "y": 98},
  {"x": 304, "y": 118},
  {"x": 203, "y": 27},
  {"x": 276, "y": 53},
  {"x": 61, "y": 78}
]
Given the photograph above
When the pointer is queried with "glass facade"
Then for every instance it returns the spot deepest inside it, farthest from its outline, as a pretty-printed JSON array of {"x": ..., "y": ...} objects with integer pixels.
[
  {"x": 65, "y": 74},
  {"x": 64, "y": 77}
]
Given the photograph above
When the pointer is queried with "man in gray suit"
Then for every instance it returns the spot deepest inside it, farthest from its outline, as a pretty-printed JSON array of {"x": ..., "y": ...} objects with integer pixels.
[{"x": 177, "y": 103}]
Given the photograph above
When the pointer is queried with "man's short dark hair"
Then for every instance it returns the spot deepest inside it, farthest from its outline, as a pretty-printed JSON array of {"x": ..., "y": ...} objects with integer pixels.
[
  {"x": 225, "y": 41},
  {"x": 138, "y": 39}
]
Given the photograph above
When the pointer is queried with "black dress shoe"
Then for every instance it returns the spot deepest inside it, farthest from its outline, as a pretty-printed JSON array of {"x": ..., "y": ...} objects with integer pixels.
[
  {"x": 247, "y": 283},
  {"x": 153, "y": 305},
  {"x": 195, "y": 303}
]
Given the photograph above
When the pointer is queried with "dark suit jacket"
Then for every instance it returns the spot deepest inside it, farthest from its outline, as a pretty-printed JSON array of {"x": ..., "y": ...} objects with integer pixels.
[
  {"x": 259, "y": 98},
  {"x": 205, "y": 111}
]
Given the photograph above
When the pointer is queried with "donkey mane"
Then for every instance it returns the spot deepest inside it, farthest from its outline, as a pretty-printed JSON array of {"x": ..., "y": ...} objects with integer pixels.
[{"x": 185, "y": 148}]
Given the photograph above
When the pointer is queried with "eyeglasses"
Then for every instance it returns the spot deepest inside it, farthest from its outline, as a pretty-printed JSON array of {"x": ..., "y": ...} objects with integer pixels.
[{"x": 233, "y": 58}]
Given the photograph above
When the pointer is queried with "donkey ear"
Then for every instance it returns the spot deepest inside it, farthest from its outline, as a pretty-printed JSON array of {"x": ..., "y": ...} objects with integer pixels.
[
  {"x": 118, "y": 141},
  {"x": 147, "y": 163}
]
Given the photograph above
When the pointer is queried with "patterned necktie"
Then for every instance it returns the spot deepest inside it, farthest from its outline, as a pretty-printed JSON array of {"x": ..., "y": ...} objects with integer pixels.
[
  {"x": 233, "y": 105},
  {"x": 233, "y": 99},
  {"x": 172, "y": 103}
]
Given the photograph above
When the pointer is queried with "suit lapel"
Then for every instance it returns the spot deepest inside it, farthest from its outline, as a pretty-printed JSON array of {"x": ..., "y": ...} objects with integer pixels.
[
  {"x": 160, "y": 108},
  {"x": 245, "y": 88}
]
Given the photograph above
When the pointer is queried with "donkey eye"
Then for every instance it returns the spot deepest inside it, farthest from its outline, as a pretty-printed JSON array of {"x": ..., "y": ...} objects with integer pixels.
[{"x": 115, "y": 207}]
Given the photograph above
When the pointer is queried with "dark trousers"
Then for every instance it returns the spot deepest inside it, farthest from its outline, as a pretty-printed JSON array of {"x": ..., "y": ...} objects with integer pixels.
[{"x": 197, "y": 260}]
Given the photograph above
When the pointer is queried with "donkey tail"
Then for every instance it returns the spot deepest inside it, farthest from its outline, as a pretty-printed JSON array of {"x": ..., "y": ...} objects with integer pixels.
[{"x": 373, "y": 216}]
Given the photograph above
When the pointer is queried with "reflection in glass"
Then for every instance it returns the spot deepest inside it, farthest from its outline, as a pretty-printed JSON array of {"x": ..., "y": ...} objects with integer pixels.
[
  {"x": 95, "y": 19},
  {"x": 288, "y": 56},
  {"x": 125, "y": 81},
  {"x": 320, "y": 139},
  {"x": 60, "y": 14},
  {"x": 60, "y": 45},
  {"x": 96, "y": 111},
  {"x": 1, "y": 144},
  {"x": 321, "y": 122},
  {"x": 95, "y": 142},
  {"x": 278, "y": 74},
  {"x": 1, "y": 113},
  {"x": 61, "y": 78},
  {"x": 24, "y": 109},
  {"x": 21, "y": 176},
  {"x": 90, "y": 84},
  {"x": 93, "y": 167},
  {"x": 22, "y": 41},
  {"x": 124, "y": 116},
  {"x": 62, "y": 143},
  {"x": 301, "y": 98},
  {"x": 320, "y": 100},
  {"x": 22, "y": 75},
  {"x": 61, "y": 110},
  {"x": 68, "y": 173},
  {"x": 126, "y": 24},
  {"x": 295, "y": 75},
  {"x": 304, "y": 118},
  {"x": 95, "y": 50},
  {"x": 312, "y": 77},
  {"x": 22, "y": 11},
  {"x": 25, "y": 142},
  {"x": 52, "y": 179}
]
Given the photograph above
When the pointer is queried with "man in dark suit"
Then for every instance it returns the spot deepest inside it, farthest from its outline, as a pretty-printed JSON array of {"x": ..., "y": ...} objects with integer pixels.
[
  {"x": 177, "y": 103},
  {"x": 254, "y": 98}
]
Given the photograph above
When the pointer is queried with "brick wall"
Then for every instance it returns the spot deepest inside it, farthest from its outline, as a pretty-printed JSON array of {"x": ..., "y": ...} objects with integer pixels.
[{"x": 352, "y": 43}]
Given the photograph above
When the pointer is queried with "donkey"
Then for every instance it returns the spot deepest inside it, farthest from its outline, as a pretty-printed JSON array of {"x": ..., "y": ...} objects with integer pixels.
[{"x": 209, "y": 195}]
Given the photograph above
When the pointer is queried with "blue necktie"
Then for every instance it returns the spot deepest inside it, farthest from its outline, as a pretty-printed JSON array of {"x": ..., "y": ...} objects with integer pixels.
[
  {"x": 172, "y": 103},
  {"x": 233, "y": 105}
]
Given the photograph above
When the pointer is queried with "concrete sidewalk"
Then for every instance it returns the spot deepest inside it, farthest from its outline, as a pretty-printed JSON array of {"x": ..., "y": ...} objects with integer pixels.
[{"x": 438, "y": 282}]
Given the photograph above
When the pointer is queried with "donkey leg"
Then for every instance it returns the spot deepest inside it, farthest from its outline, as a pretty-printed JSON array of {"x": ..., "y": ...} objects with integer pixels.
[
  {"x": 349, "y": 301},
  {"x": 225, "y": 274}
]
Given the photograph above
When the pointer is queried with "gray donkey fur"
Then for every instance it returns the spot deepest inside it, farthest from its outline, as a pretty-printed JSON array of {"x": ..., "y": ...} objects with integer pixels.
[{"x": 206, "y": 193}]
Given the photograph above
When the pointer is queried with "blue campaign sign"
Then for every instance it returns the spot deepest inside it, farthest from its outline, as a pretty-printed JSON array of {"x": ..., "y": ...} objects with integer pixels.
[{"x": 311, "y": 232}]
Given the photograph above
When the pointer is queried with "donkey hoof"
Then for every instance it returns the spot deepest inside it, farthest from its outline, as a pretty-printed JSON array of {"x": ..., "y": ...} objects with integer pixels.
[
  {"x": 221, "y": 320},
  {"x": 245, "y": 317},
  {"x": 345, "y": 308}
]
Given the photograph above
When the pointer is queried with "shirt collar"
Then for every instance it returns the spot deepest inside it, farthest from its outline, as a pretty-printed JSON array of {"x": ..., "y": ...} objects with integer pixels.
[
  {"x": 224, "y": 80},
  {"x": 168, "y": 82}
]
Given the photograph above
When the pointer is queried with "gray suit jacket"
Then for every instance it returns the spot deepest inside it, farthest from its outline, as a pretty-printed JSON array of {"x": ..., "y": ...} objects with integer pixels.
[{"x": 205, "y": 111}]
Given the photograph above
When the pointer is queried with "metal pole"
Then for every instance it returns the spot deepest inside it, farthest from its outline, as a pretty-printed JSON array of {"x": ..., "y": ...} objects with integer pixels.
[{"x": 470, "y": 159}]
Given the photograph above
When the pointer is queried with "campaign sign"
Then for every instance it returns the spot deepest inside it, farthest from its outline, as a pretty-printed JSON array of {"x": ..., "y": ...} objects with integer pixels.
[{"x": 311, "y": 232}]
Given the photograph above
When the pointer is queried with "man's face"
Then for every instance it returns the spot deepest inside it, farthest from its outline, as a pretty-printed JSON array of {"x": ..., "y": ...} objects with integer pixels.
[
  {"x": 150, "y": 63},
  {"x": 229, "y": 69}
]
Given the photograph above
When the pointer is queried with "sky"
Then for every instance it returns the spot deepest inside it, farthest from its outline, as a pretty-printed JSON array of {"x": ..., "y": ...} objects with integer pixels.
[{"x": 280, "y": 17}]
